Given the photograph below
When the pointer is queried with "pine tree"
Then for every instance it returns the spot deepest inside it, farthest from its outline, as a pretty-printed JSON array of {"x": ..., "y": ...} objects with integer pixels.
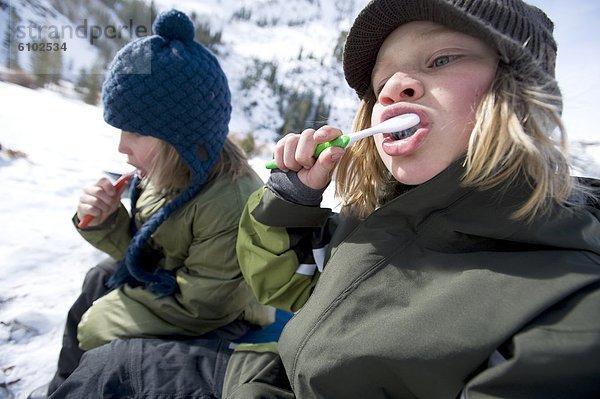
[
  {"x": 248, "y": 144},
  {"x": 338, "y": 51},
  {"x": 46, "y": 65},
  {"x": 89, "y": 83},
  {"x": 12, "y": 59}
]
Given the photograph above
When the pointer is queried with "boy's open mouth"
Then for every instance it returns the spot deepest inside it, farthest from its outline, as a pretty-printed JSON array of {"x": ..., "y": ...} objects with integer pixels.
[{"x": 405, "y": 133}]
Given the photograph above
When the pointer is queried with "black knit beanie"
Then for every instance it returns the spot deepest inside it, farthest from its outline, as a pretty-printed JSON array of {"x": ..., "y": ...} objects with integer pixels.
[
  {"x": 521, "y": 33},
  {"x": 170, "y": 87}
]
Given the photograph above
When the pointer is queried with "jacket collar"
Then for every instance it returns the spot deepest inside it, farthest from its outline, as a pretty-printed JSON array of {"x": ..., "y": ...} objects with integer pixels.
[{"x": 457, "y": 208}]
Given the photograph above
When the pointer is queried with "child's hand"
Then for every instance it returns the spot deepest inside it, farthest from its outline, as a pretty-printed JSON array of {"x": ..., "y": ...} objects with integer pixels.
[
  {"x": 100, "y": 201},
  {"x": 296, "y": 152}
]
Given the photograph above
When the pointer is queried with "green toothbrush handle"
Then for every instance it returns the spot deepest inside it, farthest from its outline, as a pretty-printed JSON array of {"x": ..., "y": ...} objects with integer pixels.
[{"x": 341, "y": 142}]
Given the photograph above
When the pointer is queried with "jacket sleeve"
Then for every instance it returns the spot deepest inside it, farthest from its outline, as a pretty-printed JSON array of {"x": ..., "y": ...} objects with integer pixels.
[
  {"x": 556, "y": 356},
  {"x": 281, "y": 248},
  {"x": 112, "y": 236}
]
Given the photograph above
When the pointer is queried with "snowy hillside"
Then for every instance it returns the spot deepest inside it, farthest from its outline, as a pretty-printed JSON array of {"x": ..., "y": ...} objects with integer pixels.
[
  {"x": 278, "y": 51},
  {"x": 42, "y": 260},
  {"x": 282, "y": 57}
]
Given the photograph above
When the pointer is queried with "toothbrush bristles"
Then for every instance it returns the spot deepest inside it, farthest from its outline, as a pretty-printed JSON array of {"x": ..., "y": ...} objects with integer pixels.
[{"x": 405, "y": 133}]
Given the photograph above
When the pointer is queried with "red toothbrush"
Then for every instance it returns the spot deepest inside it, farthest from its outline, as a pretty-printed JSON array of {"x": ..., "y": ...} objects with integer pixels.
[{"x": 121, "y": 181}]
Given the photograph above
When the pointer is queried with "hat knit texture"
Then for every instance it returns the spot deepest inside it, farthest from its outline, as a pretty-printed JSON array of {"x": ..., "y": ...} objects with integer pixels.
[
  {"x": 170, "y": 87},
  {"x": 521, "y": 33}
]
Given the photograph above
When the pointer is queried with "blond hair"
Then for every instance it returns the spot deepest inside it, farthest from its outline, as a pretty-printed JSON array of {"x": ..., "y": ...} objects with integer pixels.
[
  {"x": 171, "y": 173},
  {"x": 518, "y": 132}
]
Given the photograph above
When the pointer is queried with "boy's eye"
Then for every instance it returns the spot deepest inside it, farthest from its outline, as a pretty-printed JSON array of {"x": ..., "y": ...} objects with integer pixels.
[{"x": 441, "y": 61}]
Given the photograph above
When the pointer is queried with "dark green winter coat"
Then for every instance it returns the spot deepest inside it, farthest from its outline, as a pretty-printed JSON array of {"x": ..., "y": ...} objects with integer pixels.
[
  {"x": 437, "y": 294},
  {"x": 197, "y": 244}
]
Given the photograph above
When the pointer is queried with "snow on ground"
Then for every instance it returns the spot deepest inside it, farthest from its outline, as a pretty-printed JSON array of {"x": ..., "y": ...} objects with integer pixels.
[{"x": 42, "y": 258}]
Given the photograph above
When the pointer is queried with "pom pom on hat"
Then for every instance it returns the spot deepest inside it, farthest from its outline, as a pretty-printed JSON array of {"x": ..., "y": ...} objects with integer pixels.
[{"x": 174, "y": 25}]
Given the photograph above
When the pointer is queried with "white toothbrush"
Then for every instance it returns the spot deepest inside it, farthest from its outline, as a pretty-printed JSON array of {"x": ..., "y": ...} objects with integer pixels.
[{"x": 393, "y": 125}]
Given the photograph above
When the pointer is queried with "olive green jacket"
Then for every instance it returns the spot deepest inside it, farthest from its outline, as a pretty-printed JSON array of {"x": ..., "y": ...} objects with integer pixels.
[
  {"x": 437, "y": 294},
  {"x": 198, "y": 245}
]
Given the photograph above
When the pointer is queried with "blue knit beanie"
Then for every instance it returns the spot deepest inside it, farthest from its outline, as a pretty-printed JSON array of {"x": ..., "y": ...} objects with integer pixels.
[{"x": 170, "y": 87}]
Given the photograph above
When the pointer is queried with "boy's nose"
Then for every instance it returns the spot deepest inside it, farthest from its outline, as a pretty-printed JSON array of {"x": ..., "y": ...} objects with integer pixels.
[
  {"x": 123, "y": 144},
  {"x": 401, "y": 87}
]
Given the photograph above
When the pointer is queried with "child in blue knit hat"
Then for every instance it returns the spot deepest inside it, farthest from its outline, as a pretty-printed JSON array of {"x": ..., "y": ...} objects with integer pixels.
[{"x": 173, "y": 271}]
